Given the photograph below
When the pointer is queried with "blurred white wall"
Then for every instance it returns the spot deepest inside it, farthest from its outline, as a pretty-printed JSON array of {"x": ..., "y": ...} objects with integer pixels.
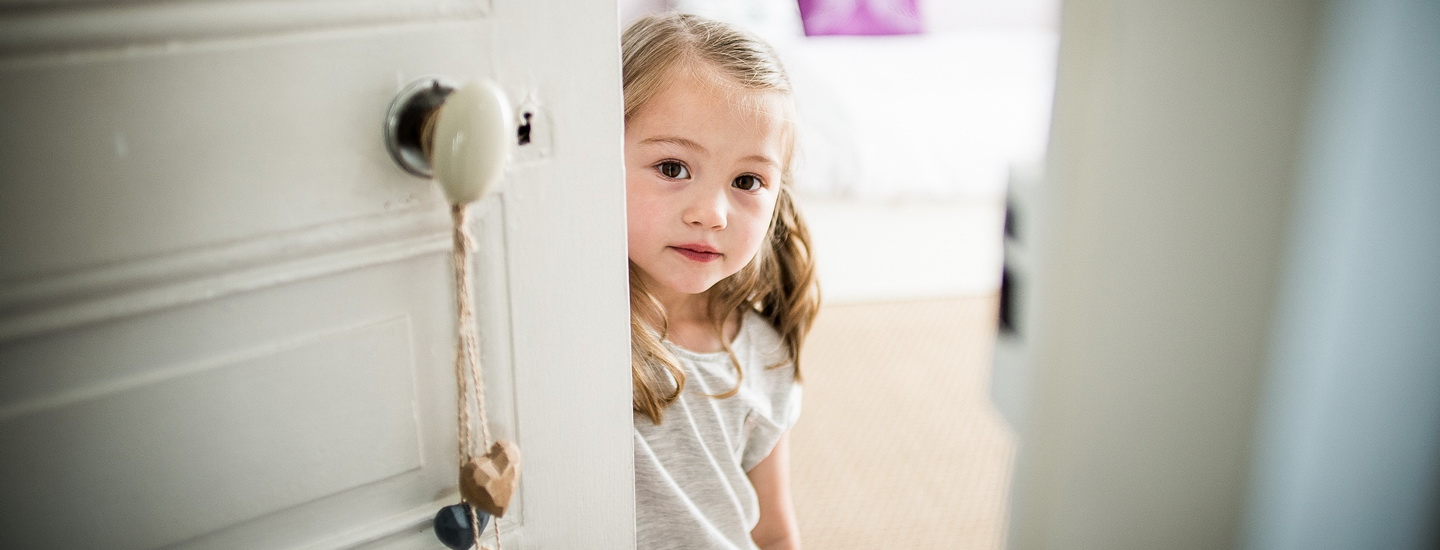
[
  {"x": 1155, "y": 243},
  {"x": 1348, "y": 451},
  {"x": 958, "y": 15},
  {"x": 1232, "y": 319}
]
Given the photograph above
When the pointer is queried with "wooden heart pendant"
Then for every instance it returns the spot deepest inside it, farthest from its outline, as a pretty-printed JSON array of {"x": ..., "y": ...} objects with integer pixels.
[{"x": 488, "y": 482}]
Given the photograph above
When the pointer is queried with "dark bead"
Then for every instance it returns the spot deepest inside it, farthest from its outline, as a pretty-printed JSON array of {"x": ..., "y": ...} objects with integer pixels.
[{"x": 452, "y": 525}]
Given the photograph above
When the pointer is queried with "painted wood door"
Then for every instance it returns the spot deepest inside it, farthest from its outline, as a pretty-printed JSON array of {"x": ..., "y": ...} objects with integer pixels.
[{"x": 226, "y": 316}]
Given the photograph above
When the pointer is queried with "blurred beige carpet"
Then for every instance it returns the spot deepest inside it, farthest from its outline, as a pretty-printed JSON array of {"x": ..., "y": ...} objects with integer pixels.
[{"x": 898, "y": 445}]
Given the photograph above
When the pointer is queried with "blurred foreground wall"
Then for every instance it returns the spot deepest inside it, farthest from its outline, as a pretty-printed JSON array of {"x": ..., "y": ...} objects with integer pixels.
[{"x": 1228, "y": 320}]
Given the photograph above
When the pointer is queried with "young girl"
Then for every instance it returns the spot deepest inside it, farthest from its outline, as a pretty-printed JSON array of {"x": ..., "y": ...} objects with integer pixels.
[{"x": 721, "y": 281}]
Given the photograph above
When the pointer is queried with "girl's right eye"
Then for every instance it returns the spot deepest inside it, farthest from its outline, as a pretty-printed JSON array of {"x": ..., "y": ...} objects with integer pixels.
[{"x": 673, "y": 170}]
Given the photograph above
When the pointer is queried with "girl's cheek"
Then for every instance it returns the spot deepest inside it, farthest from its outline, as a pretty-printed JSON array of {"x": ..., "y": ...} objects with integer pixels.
[
  {"x": 641, "y": 215},
  {"x": 762, "y": 205}
]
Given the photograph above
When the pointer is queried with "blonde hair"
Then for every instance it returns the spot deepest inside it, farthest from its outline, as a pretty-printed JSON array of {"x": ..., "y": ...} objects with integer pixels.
[{"x": 779, "y": 282}]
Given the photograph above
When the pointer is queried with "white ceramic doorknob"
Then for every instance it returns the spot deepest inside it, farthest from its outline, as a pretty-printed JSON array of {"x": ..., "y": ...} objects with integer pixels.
[
  {"x": 472, "y": 141},
  {"x": 459, "y": 135}
]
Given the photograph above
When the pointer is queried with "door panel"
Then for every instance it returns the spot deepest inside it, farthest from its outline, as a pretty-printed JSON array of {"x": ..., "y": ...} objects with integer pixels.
[
  {"x": 267, "y": 140},
  {"x": 308, "y": 399},
  {"x": 226, "y": 316}
]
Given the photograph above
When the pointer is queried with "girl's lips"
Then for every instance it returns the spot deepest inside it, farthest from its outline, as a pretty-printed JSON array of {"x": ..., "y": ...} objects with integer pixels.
[{"x": 698, "y": 253}]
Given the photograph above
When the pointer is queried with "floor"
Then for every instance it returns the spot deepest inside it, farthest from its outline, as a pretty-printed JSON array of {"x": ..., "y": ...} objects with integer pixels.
[{"x": 899, "y": 445}]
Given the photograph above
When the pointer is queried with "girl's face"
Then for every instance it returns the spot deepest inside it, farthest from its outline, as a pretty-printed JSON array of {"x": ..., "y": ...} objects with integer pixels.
[{"x": 702, "y": 173}]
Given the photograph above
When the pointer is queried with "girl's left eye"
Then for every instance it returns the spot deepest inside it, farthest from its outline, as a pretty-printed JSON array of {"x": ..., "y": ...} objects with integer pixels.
[
  {"x": 673, "y": 170},
  {"x": 747, "y": 182}
]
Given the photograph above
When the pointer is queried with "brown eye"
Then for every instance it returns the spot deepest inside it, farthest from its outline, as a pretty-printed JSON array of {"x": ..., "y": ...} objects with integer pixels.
[
  {"x": 747, "y": 182},
  {"x": 673, "y": 170}
]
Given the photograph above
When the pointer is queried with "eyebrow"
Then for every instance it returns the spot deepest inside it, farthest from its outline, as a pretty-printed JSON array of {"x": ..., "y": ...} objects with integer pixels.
[
  {"x": 763, "y": 159},
  {"x": 674, "y": 140},
  {"x": 692, "y": 145}
]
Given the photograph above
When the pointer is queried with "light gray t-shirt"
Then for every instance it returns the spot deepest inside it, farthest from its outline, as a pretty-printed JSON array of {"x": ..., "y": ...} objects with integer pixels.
[{"x": 691, "y": 491}]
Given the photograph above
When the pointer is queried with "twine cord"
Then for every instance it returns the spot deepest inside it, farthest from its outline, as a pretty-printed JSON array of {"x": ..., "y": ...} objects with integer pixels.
[
  {"x": 467, "y": 352},
  {"x": 467, "y": 356}
]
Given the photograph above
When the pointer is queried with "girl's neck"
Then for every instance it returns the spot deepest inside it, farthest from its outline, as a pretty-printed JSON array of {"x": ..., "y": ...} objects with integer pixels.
[{"x": 691, "y": 326}]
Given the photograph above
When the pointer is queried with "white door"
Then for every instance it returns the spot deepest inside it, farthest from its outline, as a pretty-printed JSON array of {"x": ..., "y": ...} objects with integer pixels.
[{"x": 226, "y": 316}]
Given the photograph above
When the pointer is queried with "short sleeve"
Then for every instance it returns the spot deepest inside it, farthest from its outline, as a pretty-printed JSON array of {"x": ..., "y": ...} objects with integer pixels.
[
  {"x": 764, "y": 428},
  {"x": 774, "y": 394}
]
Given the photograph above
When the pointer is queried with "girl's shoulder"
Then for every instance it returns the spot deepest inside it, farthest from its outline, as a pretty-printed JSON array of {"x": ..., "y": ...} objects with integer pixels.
[
  {"x": 769, "y": 369},
  {"x": 761, "y": 337}
]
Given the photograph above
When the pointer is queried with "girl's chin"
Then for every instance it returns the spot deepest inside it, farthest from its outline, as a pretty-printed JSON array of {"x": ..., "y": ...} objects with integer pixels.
[
  {"x": 677, "y": 283},
  {"x": 683, "y": 287},
  {"x": 690, "y": 289}
]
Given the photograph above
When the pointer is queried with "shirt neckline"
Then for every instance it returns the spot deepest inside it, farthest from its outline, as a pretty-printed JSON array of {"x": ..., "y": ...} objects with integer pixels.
[{"x": 740, "y": 335}]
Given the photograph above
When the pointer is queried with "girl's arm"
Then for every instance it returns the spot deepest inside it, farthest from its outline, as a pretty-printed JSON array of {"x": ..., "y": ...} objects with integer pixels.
[{"x": 777, "y": 529}]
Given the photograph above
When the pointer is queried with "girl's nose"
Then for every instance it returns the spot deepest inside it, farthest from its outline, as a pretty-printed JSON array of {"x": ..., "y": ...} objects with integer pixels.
[{"x": 707, "y": 208}]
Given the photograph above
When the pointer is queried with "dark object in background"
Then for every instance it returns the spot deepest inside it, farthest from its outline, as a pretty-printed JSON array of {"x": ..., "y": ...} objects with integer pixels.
[{"x": 452, "y": 526}]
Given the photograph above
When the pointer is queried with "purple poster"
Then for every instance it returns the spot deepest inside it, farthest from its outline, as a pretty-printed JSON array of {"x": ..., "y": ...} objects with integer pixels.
[{"x": 859, "y": 17}]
